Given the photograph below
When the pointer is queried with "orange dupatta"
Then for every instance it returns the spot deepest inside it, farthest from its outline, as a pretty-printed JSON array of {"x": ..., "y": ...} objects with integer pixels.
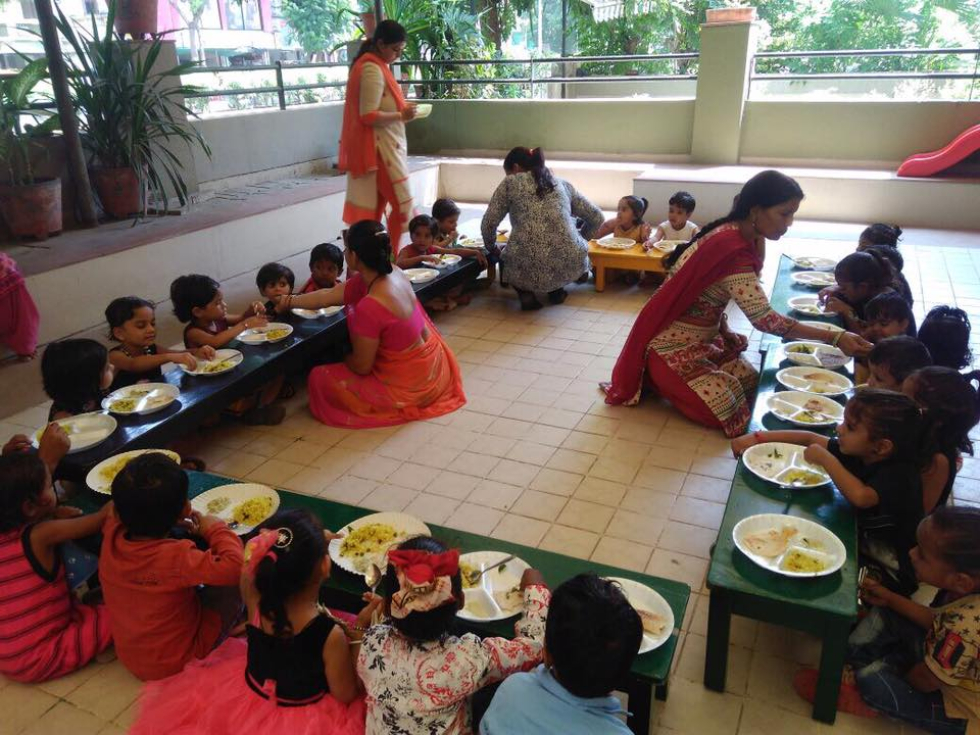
[{"x": 358, "y": 153}]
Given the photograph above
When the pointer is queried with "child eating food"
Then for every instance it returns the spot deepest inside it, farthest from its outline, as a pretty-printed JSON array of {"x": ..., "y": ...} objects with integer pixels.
[
  {"x": 893, "y": 359},
  {"x": 273, "y": 281},
  {"x": 678, "y": 225},
  {"x": 76, "y": 374},
  {"x": 591, "y": 640},
  {"x": 423, "y": 251},
  {"x": 138, "y": 358},
  {"x": 161, "y": 616},
  {"x": 946, "y": 333},
  {"x": 860, "y": 277},
  {"x": 418, "y": 675},
  {"x": 326, "y": 266},
  {"x": 875, "y": 462}
]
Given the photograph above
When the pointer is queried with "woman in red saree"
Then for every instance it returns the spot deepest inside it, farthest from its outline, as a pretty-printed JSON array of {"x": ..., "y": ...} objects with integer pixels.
[
  {"x": 400, "y": 368},
  {"x": 680, "y": 341},
  {"x": 373, "y": 149}
]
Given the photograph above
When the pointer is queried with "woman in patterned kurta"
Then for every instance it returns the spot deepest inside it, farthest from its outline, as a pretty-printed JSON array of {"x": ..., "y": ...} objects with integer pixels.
[
  {"x": 545, "y": 252},
  {"x": 373, "y": 149},
  {"x": 681, "y": 341}
]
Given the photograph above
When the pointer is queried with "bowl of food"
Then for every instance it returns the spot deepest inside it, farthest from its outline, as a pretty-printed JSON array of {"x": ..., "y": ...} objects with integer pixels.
[
  {"x": 816, "y": 354},
  {"x": 805, "y": 409},
  {"x": 243, "y": 506},
  {"x": 101, "y": 476},
  {"x": 616, "y": 243},
  {"x": 141, "y": 399},
  {"x": 789, "y": 546},
  {"x": 491, "y": 586},
  {"x": 809, "y": 305},
  {"x": 84, "y": 430},
  {"x": 814, "y": 279},
  {"x": 269, "y": 334},
  {"x": 224, "y": 361},
  {"x": 783, "y": 464},
  {"x": 814, "y": 263},
  {"x": 814, "y": 380},
  {"x": 422, "y": 111},
  {"x": 366, "y": 541}
]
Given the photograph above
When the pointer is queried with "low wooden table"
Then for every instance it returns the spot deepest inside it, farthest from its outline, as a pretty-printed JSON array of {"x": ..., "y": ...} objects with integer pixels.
[
  {"x": 202, "y": 397},
  {"x": 344, "y": 590},
  {"x": 824, "y": 606},
  {"x": 634, "y": 259}
]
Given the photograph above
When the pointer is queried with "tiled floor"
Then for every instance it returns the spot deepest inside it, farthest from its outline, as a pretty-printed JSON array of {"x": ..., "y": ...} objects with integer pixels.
[{"x": 536, "y": 457}]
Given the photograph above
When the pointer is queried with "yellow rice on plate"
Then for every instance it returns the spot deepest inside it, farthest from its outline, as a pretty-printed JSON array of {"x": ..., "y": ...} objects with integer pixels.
[{"x": 253, "y": 511}]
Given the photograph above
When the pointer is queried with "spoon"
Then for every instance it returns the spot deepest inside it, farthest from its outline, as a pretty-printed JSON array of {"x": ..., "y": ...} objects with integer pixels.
[
  {"x": 372, "y": 577},
  {"x": 473, "y": 578}
]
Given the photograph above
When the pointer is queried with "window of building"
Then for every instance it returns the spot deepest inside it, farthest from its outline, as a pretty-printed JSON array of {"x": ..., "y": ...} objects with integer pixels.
[{"x": 243, "y": 15}]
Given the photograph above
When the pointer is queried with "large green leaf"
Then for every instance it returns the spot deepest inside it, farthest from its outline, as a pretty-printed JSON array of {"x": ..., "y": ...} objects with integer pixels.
[{"x": 19, "y": 87}]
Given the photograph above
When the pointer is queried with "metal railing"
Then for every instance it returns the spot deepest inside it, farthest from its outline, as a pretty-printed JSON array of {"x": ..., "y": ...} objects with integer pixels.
[
  {"x": 540, "y": 71},
  {"x": 944, "y": 75}
]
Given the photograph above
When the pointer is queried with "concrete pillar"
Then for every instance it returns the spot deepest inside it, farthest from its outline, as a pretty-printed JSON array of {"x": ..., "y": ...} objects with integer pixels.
[{"x": 727, "y": 49}]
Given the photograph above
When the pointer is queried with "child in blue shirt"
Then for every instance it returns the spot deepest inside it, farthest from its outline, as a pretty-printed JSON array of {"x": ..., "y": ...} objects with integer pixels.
[{"x": 591, "y": 639}]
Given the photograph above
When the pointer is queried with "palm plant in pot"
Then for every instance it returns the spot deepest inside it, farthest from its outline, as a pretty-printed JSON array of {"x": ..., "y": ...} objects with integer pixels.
[
  {"x": 132, "y": 115},
  {"x": 28, "y": 205}
]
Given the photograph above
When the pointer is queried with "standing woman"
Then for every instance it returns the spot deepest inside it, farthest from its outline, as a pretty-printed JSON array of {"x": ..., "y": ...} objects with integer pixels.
[
  {"x": 399, "y": 368},
  {"x": 545, "y": 252},
  {"x": 681, "y": 341},
  {"x": 373, "y": 148}
]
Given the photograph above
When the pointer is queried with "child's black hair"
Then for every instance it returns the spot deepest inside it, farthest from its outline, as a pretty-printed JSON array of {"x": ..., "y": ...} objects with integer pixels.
[
  {"x": 277, "y": 579},
  {"x": 271, "y": 273},
  {"x": 881, "y": 234},
  {"x": 894, "y": 416},
  {"x": 72, "y": 370},
  {"x": 121, "y": 310},
  {"x": 958, "y": 528},
  {"x": 592, "y": 635},
  {"x": 443, "y": 208},
  {"x": 946, "y": 332},
  {"x": 22, "y": 478},
  {"x": 424, "y": 220},
  {"x": 638, "y": 205},
  {"x": 149, "y": 494},
  {"x": 327, "y": 251},
  {"x": 901, "y": 354},
  {"x": 891, "y": 254},
  {"x": 683, "y": 200},
  {"x": 950, "y": 401},
  {"x": 432, "y": 624},
  {"x": 890, "y": 306},
  {"x": 865, "y": 266},
  {"x": 192, "y": 292}
]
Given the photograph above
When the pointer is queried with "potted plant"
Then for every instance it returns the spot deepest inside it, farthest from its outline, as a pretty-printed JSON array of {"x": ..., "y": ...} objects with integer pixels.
[
  {"x": 731, "y": 11},
  {"x": 136, "y": 17},
  {"x": 131, "y": 115},
  {"x": 28, "y": 205}
]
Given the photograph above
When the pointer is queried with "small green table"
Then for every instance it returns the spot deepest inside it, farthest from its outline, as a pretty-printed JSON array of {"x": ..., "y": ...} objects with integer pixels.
[
  {"x": 823, "y": 606},
  {"x": 344, "y": 590},
  {"x": 785, "y": 289}
]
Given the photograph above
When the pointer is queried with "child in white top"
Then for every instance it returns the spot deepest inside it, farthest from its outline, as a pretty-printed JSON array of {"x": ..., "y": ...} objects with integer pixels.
[{"x": 677, "y": 226}]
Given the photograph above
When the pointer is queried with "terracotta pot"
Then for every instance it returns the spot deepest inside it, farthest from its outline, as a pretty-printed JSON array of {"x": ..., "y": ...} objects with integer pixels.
[
  {"x": 136, "y": 17},
  {"x": 32, "y": 210},
  {"x": 731, "y": 15},
  {"x": 369, "y": 22},
  {"x": 118, "y": 190}
]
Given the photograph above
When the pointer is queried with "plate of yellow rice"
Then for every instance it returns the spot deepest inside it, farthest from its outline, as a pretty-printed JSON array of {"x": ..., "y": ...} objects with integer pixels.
[
  {"x": 243, "y": 506},
  {"x": 366, "y": 541},
  {"x": 101, "y": 476}
]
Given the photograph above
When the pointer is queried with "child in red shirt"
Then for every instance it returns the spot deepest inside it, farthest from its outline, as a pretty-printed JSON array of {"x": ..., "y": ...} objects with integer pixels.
[
  {"x": 326, "y": 265},
  {"x": 160, "y": 621}
]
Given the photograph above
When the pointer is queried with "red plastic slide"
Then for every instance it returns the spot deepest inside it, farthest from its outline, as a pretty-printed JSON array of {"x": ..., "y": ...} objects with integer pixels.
[{"x": 930, "y": 164}]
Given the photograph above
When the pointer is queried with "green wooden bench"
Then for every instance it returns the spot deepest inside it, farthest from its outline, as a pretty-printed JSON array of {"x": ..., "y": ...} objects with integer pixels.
[
  {"x": 825, "y": 606},
  {"x": 650, "y": 671}
]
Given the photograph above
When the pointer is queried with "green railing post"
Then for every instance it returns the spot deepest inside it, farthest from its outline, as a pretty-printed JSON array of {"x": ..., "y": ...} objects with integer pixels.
[
  {"x": 280, "y": 87},
  {"x": 532, "y": 77}
]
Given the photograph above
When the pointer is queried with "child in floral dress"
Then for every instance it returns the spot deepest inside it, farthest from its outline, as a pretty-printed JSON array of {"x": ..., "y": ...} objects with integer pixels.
[{"x": 418, "y": 675}]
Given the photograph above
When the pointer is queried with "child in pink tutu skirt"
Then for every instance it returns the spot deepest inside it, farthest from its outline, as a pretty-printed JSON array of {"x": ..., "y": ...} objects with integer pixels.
[{"x": 296, "y": 673}]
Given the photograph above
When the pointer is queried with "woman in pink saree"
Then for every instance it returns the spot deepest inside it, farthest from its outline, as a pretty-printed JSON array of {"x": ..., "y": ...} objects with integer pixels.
[
  {"x": 680, "y": 344},
  {"x": 400, "y": 369}
]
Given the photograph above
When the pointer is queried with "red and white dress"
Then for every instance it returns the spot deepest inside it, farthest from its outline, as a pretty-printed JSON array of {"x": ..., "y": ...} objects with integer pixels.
[
  {"x": 45, "y": 632},
  {"x": 424, "y": 686}
]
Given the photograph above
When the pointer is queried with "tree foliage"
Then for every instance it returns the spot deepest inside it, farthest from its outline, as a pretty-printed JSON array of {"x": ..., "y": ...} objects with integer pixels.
[{"x": 320, "y": 26}]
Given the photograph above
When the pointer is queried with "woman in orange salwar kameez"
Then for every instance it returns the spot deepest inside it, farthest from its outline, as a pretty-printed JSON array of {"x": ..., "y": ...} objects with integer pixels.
[
  {"x": 400, "y": 368},
  {"x": 373, "y": 149}
]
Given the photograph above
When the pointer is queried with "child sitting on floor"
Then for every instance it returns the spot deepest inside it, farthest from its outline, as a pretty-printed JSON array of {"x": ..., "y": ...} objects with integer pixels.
[
  {"x": 678, "y": 225},
  {"x": 423, "y": 250},
  {"x": 914, "y": 663},
  {"x": 76, "y": 374},
  {"x": 19, "y": 318},
  {"x": 888, "y": 315},
  {"x": 899, "y": 282},
  {"x": 446, "y": 214},
  {"x": 893, "y": 359},
  {"x": 199, "y": 303},
  {"x": 860, "y": 277},
  {"x": 138, "y": 358},
  {"x": 946, "y": 333},
  {"x": 418, "y": 675},
  {"x": 875, "y": 462},
  {"x": 44, "y": 631},
  {"x": 161, "y": 616},
  {"x": 591, "y": 639},
  {"x": 326, "y": 266},
  {"x": 879, "y": 234},
  {"x": 298, "y": 663},
  {"x": 274, "y": 280},
  {"x": 950, "y": 402}
]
